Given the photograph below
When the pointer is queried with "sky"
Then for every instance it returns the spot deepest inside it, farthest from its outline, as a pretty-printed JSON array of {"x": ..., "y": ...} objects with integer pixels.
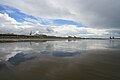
[{"x": 82, "y": 18}]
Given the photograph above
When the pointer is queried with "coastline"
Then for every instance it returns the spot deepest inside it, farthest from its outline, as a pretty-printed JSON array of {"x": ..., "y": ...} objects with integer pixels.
[
  {"x": 50, "y": 39},
  {"x": 30, "y": 38},
  {"x": 22, "y": 40}
]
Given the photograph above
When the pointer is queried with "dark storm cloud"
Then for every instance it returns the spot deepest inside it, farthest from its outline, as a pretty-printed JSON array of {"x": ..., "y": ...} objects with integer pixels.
[{"x": 105, "y": 13}]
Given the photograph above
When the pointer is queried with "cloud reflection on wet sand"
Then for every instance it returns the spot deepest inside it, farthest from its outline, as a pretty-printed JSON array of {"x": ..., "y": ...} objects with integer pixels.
[{"x": 60, "y": 60}]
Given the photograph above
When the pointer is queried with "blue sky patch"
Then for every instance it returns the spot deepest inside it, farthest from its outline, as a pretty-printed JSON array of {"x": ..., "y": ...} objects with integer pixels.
[
  {"x": 66, "y": 22},
  {"x": 19, "y": 16}
]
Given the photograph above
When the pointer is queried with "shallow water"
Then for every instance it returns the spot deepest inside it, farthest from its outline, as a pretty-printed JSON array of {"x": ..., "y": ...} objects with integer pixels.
[{"x": 60, "y": 60}]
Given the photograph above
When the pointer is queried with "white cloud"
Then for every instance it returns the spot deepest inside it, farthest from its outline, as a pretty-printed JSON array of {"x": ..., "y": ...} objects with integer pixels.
[
  {"x": 10, "y": 25},
  {"x": 4, "y": 18},
  {"x": 95, "y": 13},
  {"x": 72, "y": 30}
]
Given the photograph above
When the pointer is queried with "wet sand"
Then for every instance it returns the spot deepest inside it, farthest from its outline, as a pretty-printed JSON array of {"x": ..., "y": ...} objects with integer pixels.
[{"x": 60, "y": 60}]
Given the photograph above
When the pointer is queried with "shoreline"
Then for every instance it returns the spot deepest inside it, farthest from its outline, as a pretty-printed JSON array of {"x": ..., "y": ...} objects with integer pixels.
[
  {"x": 50, "y": 39},
  {"x": 30, "y": 38}
]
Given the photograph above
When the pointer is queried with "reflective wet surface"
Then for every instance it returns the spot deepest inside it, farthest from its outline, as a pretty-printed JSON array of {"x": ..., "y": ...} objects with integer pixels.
[{"x": 60, "y": 60}]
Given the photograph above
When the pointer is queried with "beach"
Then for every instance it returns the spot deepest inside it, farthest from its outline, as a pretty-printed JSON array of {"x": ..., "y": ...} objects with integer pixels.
[{"x": 88, "y": 59}]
